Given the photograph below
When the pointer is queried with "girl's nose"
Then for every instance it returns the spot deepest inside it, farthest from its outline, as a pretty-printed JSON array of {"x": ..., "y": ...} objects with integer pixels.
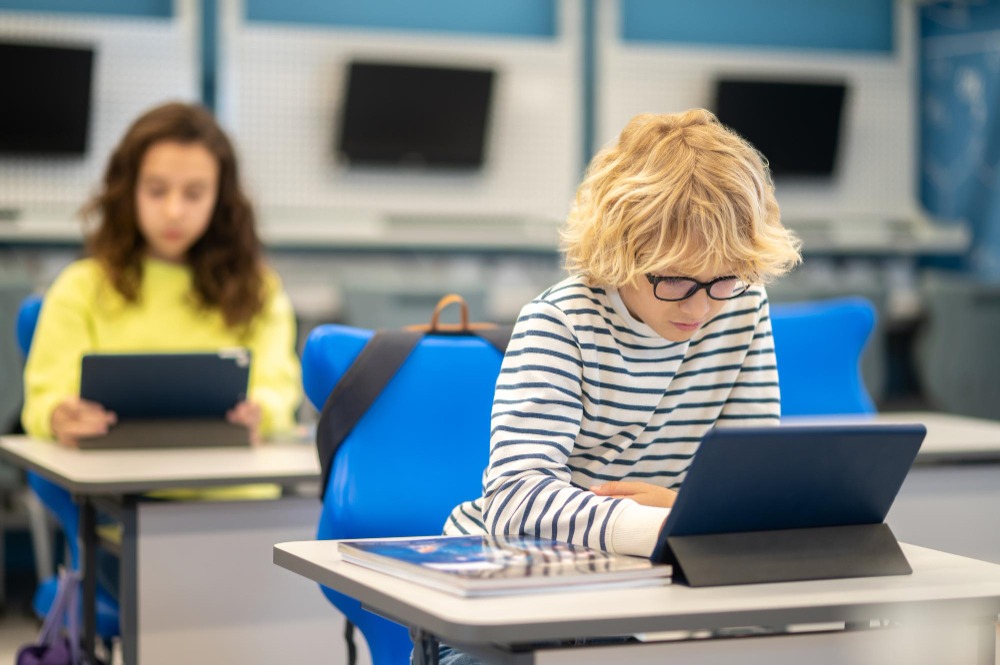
[{"x": 175, "y": 205}]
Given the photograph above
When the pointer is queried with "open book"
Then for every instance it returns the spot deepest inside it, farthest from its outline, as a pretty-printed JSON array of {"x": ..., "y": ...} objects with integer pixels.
[{"x": 499, "y": 565}]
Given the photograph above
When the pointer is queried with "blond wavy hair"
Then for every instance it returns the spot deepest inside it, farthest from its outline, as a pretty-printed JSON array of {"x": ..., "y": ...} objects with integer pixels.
[{"x": 677, "y": 194}]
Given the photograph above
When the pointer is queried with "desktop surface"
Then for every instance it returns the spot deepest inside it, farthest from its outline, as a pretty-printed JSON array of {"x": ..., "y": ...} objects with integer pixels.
[
  {"x": 973, "y": 585},
  {"x": 123, "y": 471}
]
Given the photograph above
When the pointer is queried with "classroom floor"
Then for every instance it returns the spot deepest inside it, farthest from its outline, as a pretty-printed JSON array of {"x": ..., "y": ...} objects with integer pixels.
[
  {"x": 14, "y": 632},
  {"x": 18, "y": 626}
]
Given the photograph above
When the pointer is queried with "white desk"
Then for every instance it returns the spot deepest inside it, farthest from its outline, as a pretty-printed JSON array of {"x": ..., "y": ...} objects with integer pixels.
[
  {"x": 945, "y": 595},
  {"x": 950, "y": 438},
  {"x": 950, "y": 500},
  {"x": 957, "y": 474},
  {"x": 117, "y": 472},
  {"x": 197, "y": 583}
]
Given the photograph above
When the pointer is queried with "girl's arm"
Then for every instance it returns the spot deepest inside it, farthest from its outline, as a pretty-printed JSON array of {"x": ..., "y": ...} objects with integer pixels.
[
  {"x": 275, "y": 371},
  {"x": 62, "y": 336}
]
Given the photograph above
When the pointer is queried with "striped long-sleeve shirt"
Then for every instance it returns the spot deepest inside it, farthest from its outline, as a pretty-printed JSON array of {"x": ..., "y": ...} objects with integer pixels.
[{"x": 588, "y": 394}]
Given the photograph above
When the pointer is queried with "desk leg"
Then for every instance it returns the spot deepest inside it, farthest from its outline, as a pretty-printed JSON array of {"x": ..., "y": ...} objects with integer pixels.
[
  {"x": 124, "y": 510},
  {"x": 129, "y": 577},
  {"x": 88, "y": 566},
  {"x": 425, "y": 648}
]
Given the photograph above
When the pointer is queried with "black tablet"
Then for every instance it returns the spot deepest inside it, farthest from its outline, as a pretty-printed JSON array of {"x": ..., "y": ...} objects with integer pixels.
[
  {"x": 166, "y": 385},
  {"x": 167, "y": 399},
  {"x": 787, "y": 479}
]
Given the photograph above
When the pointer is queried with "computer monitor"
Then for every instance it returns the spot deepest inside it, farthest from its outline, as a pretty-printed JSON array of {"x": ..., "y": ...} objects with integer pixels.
[
  {"x": 794, "y": 124},
  {"x": 46, "y": 91},
  {"x": 406, "y": 114}
]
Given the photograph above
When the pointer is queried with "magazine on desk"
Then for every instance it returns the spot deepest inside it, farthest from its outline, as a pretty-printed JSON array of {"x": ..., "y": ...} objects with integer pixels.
[{"x": 500, "y": 565}]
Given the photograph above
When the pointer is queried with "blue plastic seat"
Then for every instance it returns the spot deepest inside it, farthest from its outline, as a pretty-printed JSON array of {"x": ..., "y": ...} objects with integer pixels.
[
  {"x": 419, "y": 451},
  {"x": 818, "y": 345},
  {"x": 59, "y": 502},
  {"x": 27, "y": 319}
]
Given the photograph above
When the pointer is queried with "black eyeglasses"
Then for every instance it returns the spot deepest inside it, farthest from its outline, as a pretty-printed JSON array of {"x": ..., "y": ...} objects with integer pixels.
[{"x": 672, "y": 289}]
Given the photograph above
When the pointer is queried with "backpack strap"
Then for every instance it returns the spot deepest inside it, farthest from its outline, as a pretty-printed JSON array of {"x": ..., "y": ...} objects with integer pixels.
[
  {"x": 357, "y": 389},
  {"x": 352, "y": 647},
  {"x": 375, "y": 366},
  {"x": 498, "y": 336}
]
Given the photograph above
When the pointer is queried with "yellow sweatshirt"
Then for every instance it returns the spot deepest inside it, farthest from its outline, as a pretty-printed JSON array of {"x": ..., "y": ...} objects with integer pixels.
[{"x": 83, "y": 313}]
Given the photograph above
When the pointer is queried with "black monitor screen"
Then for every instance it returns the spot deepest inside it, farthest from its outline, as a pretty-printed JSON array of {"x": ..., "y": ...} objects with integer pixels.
[
  {"x": 795, "y": 125},
  {"x": 46, "y": 99},
  {"x": 408, "y": 114}
]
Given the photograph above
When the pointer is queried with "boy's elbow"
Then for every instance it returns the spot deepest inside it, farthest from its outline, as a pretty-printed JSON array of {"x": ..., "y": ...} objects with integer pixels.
[
  {"x": 491, "y": 519},
  {"x": 488, "y": 520}
]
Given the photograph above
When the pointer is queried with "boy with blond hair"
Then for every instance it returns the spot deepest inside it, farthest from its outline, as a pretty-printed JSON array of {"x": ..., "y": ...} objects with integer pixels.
[{"x": 613, "y": 375}]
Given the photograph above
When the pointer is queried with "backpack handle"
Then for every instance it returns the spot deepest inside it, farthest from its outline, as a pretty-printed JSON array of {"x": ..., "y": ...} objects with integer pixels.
[
  {"x": 464, "y": 326},
  {"x": 444, "y": 303}
]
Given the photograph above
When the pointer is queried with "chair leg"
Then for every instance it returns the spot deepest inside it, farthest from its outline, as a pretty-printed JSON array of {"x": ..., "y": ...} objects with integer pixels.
[
  {"x": 110, "y": 652},
  {"x": 41, "y": 535},
  {"x": 3, "y": 558}
]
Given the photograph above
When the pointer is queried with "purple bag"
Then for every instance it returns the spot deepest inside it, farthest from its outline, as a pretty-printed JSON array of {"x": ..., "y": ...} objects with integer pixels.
[
  {"x": 52, "y": 647},
  {"x": 56, "y": 653}
]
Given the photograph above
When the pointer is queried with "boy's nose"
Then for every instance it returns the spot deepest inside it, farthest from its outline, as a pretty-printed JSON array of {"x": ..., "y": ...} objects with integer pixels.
[{"x": 697, "y": 305}]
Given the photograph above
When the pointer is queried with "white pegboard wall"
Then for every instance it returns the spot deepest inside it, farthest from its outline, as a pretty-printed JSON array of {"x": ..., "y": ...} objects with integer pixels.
[
  {"x": 281, "y": 89},
  {"x": 876, "y": 170},
  {"x": 138, "y": 62}
]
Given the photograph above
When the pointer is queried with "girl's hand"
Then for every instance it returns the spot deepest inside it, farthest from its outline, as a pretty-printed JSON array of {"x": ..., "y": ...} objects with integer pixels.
[
  {"x": 249, "y": 415},
  {"x": 74, "y": 419},
  {"x": 642, "y": 493}
]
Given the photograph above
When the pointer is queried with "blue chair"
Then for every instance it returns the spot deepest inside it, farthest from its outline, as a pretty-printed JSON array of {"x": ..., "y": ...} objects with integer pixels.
[
  {"x": 418, "y": 451},
  {"x": 59, "y": 502},
  {"x": 818, "y": 345},
  {"x": 27, "y": 318}
]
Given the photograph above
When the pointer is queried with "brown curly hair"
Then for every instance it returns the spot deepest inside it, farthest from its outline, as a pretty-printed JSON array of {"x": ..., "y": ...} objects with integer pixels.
[{"x": 226, "y": 261}]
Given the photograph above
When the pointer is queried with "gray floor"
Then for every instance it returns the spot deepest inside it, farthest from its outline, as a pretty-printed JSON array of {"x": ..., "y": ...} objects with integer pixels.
[
  {"x": 15, "y": 630},
  {"x": 18, "y": 625}
]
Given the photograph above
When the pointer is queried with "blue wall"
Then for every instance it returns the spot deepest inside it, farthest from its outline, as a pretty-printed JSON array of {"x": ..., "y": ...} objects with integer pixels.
[
  {"x": 531, "y": 18},
  {"x": 851, "y": 25},
  {"x": 209, "y": 51},
  {"x": 960, "y": 124},
  {"x": 147, "y": 8}
]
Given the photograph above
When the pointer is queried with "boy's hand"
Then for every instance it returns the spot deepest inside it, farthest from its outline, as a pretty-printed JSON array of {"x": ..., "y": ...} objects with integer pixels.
[
  {"x": 642, "y": 493},
  {"x": 249, "y": 415},
  {"x": 74, "y": 419}
]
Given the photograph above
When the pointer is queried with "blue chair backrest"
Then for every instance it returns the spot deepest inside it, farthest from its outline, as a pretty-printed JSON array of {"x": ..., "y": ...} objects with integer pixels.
[
  {"x": 55, "y": 498},
  {"x": 60, "y": 503},
  {"x": 818, "y": 346},
  {"x": 27, "y": 319},
  {"x": 419, "y": 451}
]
